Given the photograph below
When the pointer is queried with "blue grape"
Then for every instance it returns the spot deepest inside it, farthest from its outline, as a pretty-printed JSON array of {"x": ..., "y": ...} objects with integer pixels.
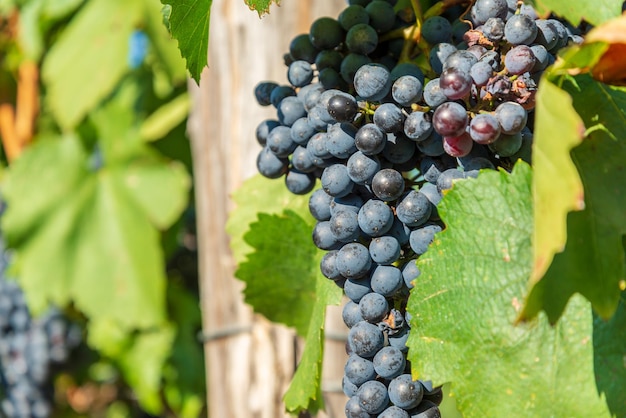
[
  {"x": 298, "y": 182},
  {"x": 302, "y": 160},
  {"x": 373, "y": 396},
  {"x": 482, "y": 10},
  {"x": 328, "y": 266},
  {"x": 433, "y": 96},
  {"x": 318, "y": 145},
  {"x": 359, "y": 370},
  {"x": 542, "y": 57},
  {"x": 520, "y": 29},
  {"x": 439, "y": 54},
  {"x": 353, "y": 260},
  {"x": 351, "y": 313},
  {"x": 426, "y": 409},
  {"x": 372, "y": 82},
  {"x": 335, "y": 180},
  {"x": 480, "y": 73},
  {"x": 436, "y": 29},
  {"x": 356, "y": 289},
  {"x": 447, "y": 178},
  {"x": 493, "y": 29},
  {"x": 323, "y": 238},
  {"x": 547, "y": 34},
  {"x": 511, "y": 116},
  {"x": 399, "y": 231},
  {"x": 375, "y": 218},
  {"x": 386, "y": 280},
  {"x": 399, "y": 339},
  {"x": 349, "y": 389},
  {"x": 263, "y": 130},
  {"x": 319, "y": 205},
  {"x": 389, "y": 362},
  {"x": 374, "y": 307},
  {"x": 279, "y": 93},
  {"x": 432, "y": 146},
  {"x": 300, "y": 73},
  {"x": 414, "y": 209},
  {"x": 394, "y": 412},
  {"x": 362, "y": 168},
  {"x": 365, "y": 339},
  {"x": 421, "y": 238},
  {"x": 410, "y": 272},
  {"x": 404, "y": 392},
  {"x": 302, "y": 131},
  {"x": 389, "y": 118},
  {"x": 354, "y": 410},
  {"x": 263, "y": 91},
  {"x": 407, "y": 90},
  {"x": 270, "y": 165},
  {"x": 340, "y": 140},
  {"x": 462, "y": 60},
  {"x": 279, "y": 141},
  {"x": 399, "y": 149},
  {"x": 384, "y": 250},
  {"x": 350, "y": 202},
  {"x": 418, "y": 126},
  {"x": 345, "y": 226}
]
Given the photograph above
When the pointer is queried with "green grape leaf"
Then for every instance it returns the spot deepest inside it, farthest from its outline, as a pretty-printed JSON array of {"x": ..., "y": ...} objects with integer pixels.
[
  {"x": 465, "y": 302},
  {"x": 87, "y": 234},
  {"x": 608, "y": 357},
  {"x": 261, "y": 6},
  {"x": 189, "y": 24},
  {"x": 592, "y": 261},
  {"x": 305, "y": 390},
  {"x": 260, "y": 194},
  {"x": 557, "y": 188},
  {"x": 280, "y": 275},
  {"x": 595, "y": 12},
  {"x": 89, "y": 58},
  {"x": 140, "y": 356}
]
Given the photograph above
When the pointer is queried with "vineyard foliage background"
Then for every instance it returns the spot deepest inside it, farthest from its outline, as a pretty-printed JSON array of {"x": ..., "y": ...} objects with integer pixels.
[{"x": 536, "y": 323}]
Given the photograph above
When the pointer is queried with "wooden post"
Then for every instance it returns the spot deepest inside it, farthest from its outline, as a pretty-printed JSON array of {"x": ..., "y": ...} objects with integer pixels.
[{"x": 249, "y": 361}]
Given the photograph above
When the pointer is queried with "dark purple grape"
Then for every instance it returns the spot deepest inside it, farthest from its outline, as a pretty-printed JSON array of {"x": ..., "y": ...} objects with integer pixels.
[
  {"x": 519, "y": 60},
  {"x": 484, "y": 128},
  {"x": 370, "y": 139},
  {"x": 455, "y": 83},
  {"x": 450, "y": 119},
  {"x": 388, "y": 184},
  {"x": 342, "y": 108},
  {"x": 458, "y": 146}
]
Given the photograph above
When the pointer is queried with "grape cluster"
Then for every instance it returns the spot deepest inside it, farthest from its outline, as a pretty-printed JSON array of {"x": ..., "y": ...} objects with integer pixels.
[
  {"x": 29, "y": 348},
  {"x": 387, "y": 124}
]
